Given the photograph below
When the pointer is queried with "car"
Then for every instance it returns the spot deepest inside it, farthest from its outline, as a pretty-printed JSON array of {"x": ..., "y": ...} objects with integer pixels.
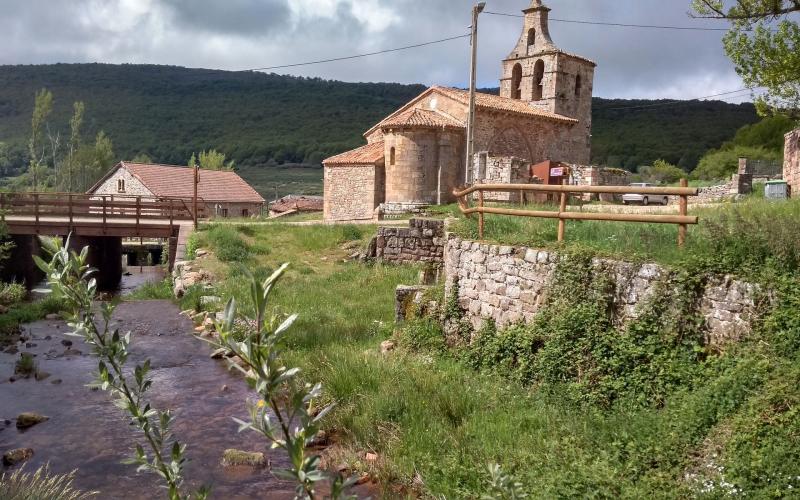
[{"x": 644, "y": 199}]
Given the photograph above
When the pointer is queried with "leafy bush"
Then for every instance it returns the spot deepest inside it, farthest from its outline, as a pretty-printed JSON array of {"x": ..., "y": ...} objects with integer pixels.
[
  {"x": 12, "y": 293},
  {"x": 662, "y": 172},
  {"x": 423, "y": 334},
  {"x": 722, "y": 163}
]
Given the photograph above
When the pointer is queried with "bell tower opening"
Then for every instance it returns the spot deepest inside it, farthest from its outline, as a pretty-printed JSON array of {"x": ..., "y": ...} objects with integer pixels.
[
  {"x": 531, "y": 37},
  {"x": 578, "y": 86},
  {"x": 516, "y": 82},
  {"x": 538, "y": 80}
]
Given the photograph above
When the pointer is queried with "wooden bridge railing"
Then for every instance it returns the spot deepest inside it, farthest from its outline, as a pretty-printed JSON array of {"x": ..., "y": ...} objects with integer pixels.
[
  {"x": 104, "y": 207},
  {"x": 682, "y": 219}
]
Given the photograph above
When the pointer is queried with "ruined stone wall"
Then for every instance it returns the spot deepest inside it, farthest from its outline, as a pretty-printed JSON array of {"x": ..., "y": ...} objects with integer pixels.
[
  {"x": 585, "y": 175},
  {"x": 422, "y": 241},
  {"x": 491, "y": 169},
  {"x": 791, "y": 162},
  {"x": 510, "y": 284},
  {"x": 349, "y": 192}
]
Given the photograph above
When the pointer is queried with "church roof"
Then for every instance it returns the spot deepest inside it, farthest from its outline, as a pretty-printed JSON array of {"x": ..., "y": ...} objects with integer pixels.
[
  {"x": 506, "y": 104},
  {"x": 416, "y": 117},
  {"x": 365, "y": 155}
]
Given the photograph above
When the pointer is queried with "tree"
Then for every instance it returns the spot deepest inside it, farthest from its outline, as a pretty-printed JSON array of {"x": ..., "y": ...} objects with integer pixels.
[
  {"x": 662, "y": 172},
  {"x": 95, "y": 160},
  {"x": 43, "y": 105},
  {"x": 5, "y": 159},
  {"x": 764, "y": 44},
  {"x": 142, "y": 158},
  {"x": 211, "y": 160},
  {"x": 74, "y": 142}
]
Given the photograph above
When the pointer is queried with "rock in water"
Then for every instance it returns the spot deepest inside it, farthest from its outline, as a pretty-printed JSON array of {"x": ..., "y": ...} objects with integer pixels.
[
  {"x": 29, "y": 419},
  {"x": 13, "y": 457},
  {"x": 231, "y": 457},
  {"x": 52, "y": 317}
]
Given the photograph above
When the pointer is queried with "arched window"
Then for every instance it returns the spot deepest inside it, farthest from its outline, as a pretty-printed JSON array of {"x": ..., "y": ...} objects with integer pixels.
[
  {"x": 391, "y": 156},
  {"x": 531, "y": 37},
  {"x": 516, "y": 82},
  {"x": 578, "y": 85},
  {"x": 538, "y": 80}
]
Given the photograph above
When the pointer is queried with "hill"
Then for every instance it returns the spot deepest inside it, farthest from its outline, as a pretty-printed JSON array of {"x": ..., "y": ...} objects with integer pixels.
[{"x": 266, "y": 119}]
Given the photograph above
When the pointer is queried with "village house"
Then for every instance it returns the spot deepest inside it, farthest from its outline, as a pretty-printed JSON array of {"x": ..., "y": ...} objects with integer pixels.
[
  {"x": 416, "y": 155},
  {"x": 791, "y": 162},
  {"x": 220, "y": 193}
]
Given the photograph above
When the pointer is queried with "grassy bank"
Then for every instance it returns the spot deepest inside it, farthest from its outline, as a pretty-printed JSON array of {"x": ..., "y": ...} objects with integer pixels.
[{"x": 660, "y": 417}]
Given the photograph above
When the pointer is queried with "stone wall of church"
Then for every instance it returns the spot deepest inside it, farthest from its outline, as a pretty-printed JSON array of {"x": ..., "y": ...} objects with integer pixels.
[
  {"x": 791, "y": 162},
  {"x": 427, "y": 165},
  {"x": 350, "y": 192},
  {"x": 492, "y": 169}
]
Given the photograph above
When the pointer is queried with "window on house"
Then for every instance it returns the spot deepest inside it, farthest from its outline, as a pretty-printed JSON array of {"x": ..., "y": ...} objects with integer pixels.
[
  {"x": 538, "y": 80},
  {"x": 531, "y": 37},
  {"x": 391, "y": 156},
  {"x": 224, "y": 212},
  {"x": 245, "y": 213},
  {"x": 578, "y": 85},
  {"x": 120, "y": 185},
  {"x": 516, "y": 82}
]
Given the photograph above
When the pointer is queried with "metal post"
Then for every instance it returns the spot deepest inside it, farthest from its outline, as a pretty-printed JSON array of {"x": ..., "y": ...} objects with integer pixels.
[
  {"x": 684, "y": 202},
  {"x": 480, "y": 215},
  {"x": 194, "y": 199},
  {"x": 476, "y": 10}
]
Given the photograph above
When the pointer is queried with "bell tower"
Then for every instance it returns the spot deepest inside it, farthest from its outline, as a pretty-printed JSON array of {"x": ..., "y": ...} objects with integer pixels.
[{"x": 541, "y": 74}]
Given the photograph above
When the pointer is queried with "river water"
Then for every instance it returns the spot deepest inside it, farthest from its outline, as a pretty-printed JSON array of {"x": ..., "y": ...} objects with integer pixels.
[{"x": 88, "y": 433}]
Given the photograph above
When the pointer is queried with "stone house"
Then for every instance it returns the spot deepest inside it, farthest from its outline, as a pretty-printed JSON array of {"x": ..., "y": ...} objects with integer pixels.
[
  {"x": 791, "y": 162},
  {"x": 416, "y": 155},
  {"x": 220, "y": 193}
]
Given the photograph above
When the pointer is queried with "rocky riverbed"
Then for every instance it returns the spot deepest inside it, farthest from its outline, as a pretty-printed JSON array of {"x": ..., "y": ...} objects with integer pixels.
[{"x": 84, "y": 431}]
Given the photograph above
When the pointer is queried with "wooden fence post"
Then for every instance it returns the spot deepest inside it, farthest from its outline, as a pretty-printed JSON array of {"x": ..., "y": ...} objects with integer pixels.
[
  {"x": 684, "y": 202},
  {"x": 104, "y": 212},
  {"x": 138, "y": 212},
  {"x": 480, "y": 214},
  {"x": 70, "y": 210},
  {"x": 562, "y": 224},
  {"x": 36, "y": 209},
  {"x": 2, "y": 207}
]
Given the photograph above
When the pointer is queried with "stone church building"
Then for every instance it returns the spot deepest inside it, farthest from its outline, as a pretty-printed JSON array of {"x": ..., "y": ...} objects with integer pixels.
[{"x": 415, "y": 156}]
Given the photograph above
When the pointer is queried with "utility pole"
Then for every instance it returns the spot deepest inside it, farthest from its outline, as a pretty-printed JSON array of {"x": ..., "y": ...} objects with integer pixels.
[
  {"x": 476, "y": 10},
  {"x": 194, "y": 199}
]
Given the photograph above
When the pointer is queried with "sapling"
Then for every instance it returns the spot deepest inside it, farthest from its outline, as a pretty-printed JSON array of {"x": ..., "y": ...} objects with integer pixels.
[
  {"x": 159, "y": 452},
  {"x": 286, "y": 412}
]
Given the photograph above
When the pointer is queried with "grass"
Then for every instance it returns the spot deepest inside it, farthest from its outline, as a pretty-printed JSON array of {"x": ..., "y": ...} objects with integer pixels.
[
  {"x": 41, "y": 484},
  {"x": 26, "y": 312},
  {"x": 436, "y": 422},
  {"x": 288, "y": 179}
]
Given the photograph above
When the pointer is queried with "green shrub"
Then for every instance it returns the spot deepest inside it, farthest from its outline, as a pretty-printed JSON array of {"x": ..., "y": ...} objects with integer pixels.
[
  {"x": 423, "y": 334},
  {"x": 722, "y": 163},
  {"x": 12, "y": 293},
  {"x": 351, "y": 232},
  {"x": 227, "y": 244}
]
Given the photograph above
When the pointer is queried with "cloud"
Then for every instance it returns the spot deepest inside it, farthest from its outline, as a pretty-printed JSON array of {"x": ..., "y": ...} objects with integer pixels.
[{"x": 241, "y": 34}]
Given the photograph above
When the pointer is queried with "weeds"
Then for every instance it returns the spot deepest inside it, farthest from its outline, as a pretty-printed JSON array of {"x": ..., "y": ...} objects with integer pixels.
[
  {"x": 40, "y": 485},
  {"x": 12, "y": 293}
]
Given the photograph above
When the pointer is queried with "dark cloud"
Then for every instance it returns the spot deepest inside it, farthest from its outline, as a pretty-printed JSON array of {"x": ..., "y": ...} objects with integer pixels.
[{"x": 239, "y": 34}]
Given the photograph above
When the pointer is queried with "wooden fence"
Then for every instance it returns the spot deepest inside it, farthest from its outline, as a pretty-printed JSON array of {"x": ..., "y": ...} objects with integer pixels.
[
  {"x": 682, "y": 219},
  {"x": 70, "y": 207}
]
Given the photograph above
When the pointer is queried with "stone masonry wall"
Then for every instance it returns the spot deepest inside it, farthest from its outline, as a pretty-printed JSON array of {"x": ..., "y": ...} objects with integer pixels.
[
  {"x": 791, "y": 162},
  {"x": 422, "y": 241},
  {"x": 509, "y": 285},
  {"x": 133, "y": 186},
  {"x": 492, "y": 169},
  {"x": 349, "y": 192}
]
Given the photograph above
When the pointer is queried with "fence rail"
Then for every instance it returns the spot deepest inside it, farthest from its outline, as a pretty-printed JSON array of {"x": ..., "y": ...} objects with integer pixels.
[
  {"x": 682, "y": 219},
  {"x": 104, "y": 208}
]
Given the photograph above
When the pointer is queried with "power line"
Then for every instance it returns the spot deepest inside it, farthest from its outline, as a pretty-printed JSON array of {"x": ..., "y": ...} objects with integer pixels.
[
  {"x": 357, "y": 56},
  {"x": 622, "y": 25},
  {"x": 682, "y": 101}
]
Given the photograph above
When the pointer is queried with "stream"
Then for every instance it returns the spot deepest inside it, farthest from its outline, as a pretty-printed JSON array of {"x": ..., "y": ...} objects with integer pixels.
[{"x": 87, "y": 433}]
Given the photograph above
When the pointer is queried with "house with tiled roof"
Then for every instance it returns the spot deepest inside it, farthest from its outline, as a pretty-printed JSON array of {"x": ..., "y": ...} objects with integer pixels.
[
  {"x": 416, "y": 156},
  {"x": 221, "y": 193}
]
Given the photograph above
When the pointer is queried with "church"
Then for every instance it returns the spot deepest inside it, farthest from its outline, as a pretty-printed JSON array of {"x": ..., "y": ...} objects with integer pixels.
[{"x": 415, "y": 157}]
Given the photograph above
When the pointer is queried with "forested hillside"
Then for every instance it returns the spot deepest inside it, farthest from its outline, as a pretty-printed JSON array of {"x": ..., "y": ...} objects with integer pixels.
[{"x": 258, "y": 119}]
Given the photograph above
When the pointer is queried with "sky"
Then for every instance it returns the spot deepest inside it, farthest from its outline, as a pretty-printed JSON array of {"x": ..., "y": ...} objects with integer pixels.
[{"x": 244, "y": 34}]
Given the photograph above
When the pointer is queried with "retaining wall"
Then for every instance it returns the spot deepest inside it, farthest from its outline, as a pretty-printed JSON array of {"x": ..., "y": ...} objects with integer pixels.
[{"x": 422, "y": 241}]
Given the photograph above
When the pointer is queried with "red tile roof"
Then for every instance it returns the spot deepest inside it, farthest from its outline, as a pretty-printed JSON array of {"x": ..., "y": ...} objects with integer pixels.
[
  {"x": 495, "y": 102},
  {"x": 424, "y": 118},
  {"x": 172, "y": 181},
  {"x": 365, "y": 155}
]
